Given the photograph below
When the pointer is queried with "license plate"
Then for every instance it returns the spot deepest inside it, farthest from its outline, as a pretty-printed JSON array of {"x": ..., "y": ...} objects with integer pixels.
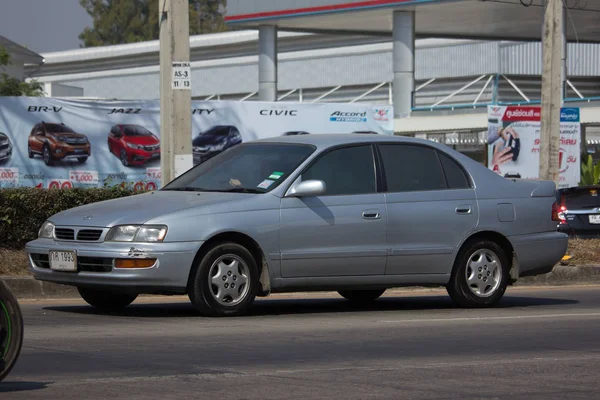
[
  {"x": 63, "y": 261},
  {"x": 594, "y": 219}
]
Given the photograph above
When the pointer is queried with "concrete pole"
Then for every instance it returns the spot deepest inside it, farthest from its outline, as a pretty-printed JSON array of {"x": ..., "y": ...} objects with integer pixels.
[
  {"x": 551, "y": 83},
  {"x": 564, "y": 58},
  {"x": 403, "y": 62},
  {"x": 175, "y": 98},
  {"x": 267, "y": 63}
]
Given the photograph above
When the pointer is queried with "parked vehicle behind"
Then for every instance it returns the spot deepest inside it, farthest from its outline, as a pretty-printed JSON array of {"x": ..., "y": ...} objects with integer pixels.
[
  {"x": 357, "y": 214},
  {"x": 133, "y": 144},
  {"x": 56, "y": 142},
  {"x": 580, "y": 211}
]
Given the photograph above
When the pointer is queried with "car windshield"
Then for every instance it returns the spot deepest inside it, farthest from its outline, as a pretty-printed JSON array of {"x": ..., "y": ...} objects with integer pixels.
[
  {"x": 582, "y": 198},
  {"x": 248, "y": 168},
  {"x": 136, "y": 130},
  {"x": 58, "y": 128}
]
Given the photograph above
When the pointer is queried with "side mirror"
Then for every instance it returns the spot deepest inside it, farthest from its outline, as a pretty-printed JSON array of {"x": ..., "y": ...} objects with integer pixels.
[{"x": 308, "y": 188}]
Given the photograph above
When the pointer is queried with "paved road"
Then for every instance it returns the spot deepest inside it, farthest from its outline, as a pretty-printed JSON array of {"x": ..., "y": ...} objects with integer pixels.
[{"x": 540, "y": 344}]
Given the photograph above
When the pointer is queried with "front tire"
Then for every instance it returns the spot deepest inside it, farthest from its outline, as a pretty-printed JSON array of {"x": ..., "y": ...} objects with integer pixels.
[
  {"x": 29, "y": 152},
  {"x": 480, "y": 275},
  {"x": 11, "y": 330},
  {"x": 361, "y": 296},
  {"x": 47, "y": 155},
  {"x": 106, "y": 300},
  {"x": 124, "y": 159},
  {"x": 225, "y": 281}
]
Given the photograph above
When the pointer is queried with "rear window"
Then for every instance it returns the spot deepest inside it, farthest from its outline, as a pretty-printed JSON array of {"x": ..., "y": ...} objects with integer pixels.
[{"x": 581, "y": 198}]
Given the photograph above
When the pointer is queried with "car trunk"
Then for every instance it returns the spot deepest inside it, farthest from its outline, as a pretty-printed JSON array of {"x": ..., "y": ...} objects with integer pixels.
[{"x": 582, "y": 205}]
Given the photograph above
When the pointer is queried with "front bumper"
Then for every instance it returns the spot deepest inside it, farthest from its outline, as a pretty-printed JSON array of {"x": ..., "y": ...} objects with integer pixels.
[
  {"x": 63, "y": 152},
  {"x": 142, "y": 156},
  {"x": 5, "y": 154},
  {"x": 538, "y": 253},
  {"x": 202, "y": 156},
  {"x": 95, "y": 267}
]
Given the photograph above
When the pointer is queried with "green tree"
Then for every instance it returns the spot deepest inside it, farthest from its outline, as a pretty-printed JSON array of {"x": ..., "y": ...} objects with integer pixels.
[
  {"x": 10, "y": 86},
  {"x": 130, "y": 21}
]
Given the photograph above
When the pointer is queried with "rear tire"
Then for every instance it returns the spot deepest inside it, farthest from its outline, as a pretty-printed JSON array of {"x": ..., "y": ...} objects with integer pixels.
[
  {"x": 361, "y": 296},
  {"x": 11, "y": 330},
  {"x": 225, "y": 281},
  {"x": 106, "y": 300},
  {"x": 480, "y": 275}
]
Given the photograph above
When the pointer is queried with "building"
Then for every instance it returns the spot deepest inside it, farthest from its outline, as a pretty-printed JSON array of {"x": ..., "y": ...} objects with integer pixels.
[{"x": 19, "y": 57}]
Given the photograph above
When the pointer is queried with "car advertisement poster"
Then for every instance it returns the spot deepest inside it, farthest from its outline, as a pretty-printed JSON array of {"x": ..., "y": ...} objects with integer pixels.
[
  {"x": 64, "y": 143},
  {"x": 514, "y": 143}
]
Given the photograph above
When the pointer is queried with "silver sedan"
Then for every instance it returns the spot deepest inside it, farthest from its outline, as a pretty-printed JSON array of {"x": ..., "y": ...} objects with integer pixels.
[{"x": 357, "y": 214}]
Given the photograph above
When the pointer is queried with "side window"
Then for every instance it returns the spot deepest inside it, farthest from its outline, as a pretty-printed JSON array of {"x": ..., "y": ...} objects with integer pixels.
[
  {"x": 455, "y": 176},
  {"x": 345, "y": 171},
  {"x": 411, "y": 168}
]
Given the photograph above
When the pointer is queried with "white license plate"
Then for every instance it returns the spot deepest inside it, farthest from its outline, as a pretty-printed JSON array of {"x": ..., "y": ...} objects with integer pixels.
[
  {"x": 595, "y": 219},
  {"x": 63, "y": 261}
]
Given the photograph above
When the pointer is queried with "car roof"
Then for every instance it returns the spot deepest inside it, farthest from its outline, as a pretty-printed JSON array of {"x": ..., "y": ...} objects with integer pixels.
[{"x": 335, "y": 139}]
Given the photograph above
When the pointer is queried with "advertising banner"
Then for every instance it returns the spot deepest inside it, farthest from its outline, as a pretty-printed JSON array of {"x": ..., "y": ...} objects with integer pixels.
[
  {"x": 514, "y": 143},
  {"x": 60, "y": 143}
]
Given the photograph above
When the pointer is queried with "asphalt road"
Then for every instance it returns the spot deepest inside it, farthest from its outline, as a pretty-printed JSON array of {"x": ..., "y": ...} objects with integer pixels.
[{"x": 539, "y": 344}]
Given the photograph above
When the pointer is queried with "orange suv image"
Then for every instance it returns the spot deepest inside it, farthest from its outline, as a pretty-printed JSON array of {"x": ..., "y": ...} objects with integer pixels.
[{"x": 57, "y": 142}]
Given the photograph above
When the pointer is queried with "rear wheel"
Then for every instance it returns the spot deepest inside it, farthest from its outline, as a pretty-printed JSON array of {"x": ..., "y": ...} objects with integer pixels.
[
  {"x": 480, "y": 275},
  {"x": 106, "y": 300},
  {"x": 225, "y": 281},
  {"x": 361, "y": 296},
  {"x": 11, "y": 330}
]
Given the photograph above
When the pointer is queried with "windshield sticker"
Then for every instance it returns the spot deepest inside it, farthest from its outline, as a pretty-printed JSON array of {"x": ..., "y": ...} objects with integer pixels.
[
  {"x": 276, "y": 175},
  {"x": 265, "y": 184}
]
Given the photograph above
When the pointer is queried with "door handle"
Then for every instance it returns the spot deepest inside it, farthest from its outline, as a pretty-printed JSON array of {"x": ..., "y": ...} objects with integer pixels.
[
  {"x": 371, "y": 214},
  {"x": 463, "y": 209}
]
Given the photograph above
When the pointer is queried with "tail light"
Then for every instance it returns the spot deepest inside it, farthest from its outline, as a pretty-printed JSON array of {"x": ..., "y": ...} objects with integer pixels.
[{"x": 558, "y": 213}]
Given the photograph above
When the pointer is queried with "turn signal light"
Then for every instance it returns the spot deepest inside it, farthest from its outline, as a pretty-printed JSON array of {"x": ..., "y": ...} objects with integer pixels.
[{"x": 134, "y": 262}]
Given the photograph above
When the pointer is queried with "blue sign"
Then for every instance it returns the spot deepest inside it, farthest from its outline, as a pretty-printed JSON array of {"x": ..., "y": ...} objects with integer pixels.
[{"x": 569, "y": 114}]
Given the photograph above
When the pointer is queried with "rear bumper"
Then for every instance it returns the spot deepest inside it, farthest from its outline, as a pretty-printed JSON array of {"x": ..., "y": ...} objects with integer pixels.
[
  {"x": 538, "y": 253},
  {"x": 580, "y": 233}
]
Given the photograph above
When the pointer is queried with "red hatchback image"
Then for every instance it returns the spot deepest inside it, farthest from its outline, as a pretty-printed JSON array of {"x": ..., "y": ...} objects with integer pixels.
[{"x": 133, "y": 144}]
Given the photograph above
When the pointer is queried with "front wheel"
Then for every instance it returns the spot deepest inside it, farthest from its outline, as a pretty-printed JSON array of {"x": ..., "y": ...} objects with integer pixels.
[
  {"x": 480, "y": 275},
  {"x": 11, "y": 330},
  {"x": 361, "y": 296},
  {"x": 47, "y": 155},
  {"x": 106, "y": 300},
  {"x": 29, "y": 152},
  {"x": 225, "y": 281}
]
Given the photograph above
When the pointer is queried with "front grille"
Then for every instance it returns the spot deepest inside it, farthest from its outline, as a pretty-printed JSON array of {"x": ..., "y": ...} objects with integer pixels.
[
  {"x": 89, "y": 235},
  {"x": 64, "y": 234},
  {"x": 94, "y": 264},
  {"x": 152, "y": 148},
  {"x": 76, "y": 141},
  {"x": 86, "y": 264}
]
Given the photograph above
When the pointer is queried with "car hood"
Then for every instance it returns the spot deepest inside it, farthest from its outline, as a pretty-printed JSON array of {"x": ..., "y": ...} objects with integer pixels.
[
  {"x": 142, "y": 140},
  {"x": 202, "y": 140},
  {"x": 141, "y": 208}
]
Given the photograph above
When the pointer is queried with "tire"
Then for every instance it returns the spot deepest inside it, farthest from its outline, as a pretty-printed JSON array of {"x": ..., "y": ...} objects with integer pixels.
[
  {"x": 29, "y": 152},
  {"x": 81, "y": 160},
  {"x": 124, "y": 159},
  {"x": 47, "y": 155},
  {"x": 11, "y": 330},
  {"x": 361, "y": 296},
  {"x": 106, "y": 300},
  {"x": 471, "y": 287},
  {"x": 204, "y": 286}
]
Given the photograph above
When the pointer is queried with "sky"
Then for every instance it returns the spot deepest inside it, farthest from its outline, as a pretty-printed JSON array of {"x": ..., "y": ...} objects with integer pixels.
[{"x": 43, "y": 25}]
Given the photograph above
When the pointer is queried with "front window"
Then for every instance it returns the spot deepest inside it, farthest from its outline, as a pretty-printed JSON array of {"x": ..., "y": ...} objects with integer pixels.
[
  {"x": 248, "y": 168},
  {"x": 58, "y": 128},
  {"x": 136, "y": 130}
]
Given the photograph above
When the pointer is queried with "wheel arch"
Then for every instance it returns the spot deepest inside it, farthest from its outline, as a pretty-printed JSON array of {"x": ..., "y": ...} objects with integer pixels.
[
  {"x": 243, "y": 240},
  {"x": 499, "y": 239}
]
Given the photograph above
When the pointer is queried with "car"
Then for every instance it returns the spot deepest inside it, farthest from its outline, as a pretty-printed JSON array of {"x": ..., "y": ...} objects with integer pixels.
[
  {"x": 56, "y": 141},
  {"x": 133, "y": 144},
  {"x": 213, "y": 141},
  {"x": 292, "y": 133},
  {"x": 5, "y": 147},
  {"x": 580, "y": 211},
  {"x": 357, "y": 214}
]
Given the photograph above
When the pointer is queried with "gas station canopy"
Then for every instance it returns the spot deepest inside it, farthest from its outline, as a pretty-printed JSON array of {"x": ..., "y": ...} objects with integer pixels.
[{"x": 468, "y": 19}]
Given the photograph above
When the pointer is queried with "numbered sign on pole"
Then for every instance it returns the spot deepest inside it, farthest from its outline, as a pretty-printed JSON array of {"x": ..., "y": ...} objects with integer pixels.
[{"x": 182, "y": 76}]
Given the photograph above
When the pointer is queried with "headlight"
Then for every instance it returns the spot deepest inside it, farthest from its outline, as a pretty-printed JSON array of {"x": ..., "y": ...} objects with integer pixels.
[
  {"x": 46, "y": 231},
  {"x": 61, "y": 138},
  {"x": 137, "y": 233},
  {"x": 134, "y": 146}
]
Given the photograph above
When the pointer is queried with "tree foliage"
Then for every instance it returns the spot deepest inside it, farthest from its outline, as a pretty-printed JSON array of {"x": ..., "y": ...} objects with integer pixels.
[
  {"x": 130, "y": 21},
  {"x": 10, "y": 86}
]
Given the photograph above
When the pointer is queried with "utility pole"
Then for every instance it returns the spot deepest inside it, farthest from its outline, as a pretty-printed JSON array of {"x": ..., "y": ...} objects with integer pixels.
[
  {"x": 175, "y": 89},
  {"x": 551, "y": 91}
]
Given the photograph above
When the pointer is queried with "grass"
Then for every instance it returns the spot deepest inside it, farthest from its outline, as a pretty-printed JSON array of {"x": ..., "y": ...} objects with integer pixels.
[{"x": 583, "y": 252}]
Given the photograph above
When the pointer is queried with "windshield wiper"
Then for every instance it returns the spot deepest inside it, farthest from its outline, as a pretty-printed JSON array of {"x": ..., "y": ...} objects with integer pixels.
[{"x": 185, "y": 189}]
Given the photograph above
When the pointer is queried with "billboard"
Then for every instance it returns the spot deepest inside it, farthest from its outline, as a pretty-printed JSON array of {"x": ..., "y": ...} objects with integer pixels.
[
  {"x": 52, "y": 142},
  {"x": 514, "y": 143}
]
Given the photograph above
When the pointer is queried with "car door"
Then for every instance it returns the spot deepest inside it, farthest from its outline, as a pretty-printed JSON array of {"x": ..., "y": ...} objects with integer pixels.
[
  {"x": 431, "y": 207},
  {"x": 341, "y": 233}
]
